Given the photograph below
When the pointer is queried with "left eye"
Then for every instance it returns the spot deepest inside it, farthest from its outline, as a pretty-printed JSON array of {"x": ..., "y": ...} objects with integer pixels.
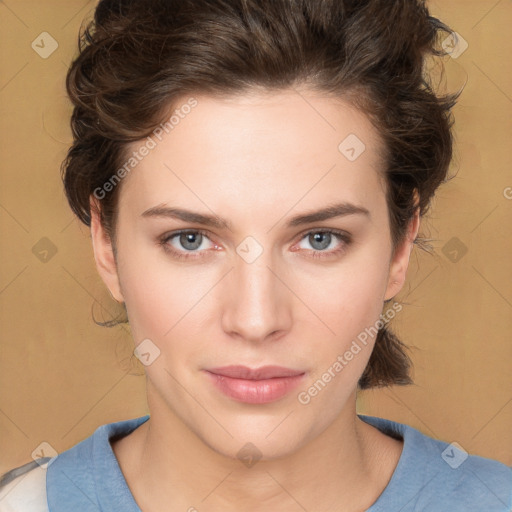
[{"x": 321, "y": 240}]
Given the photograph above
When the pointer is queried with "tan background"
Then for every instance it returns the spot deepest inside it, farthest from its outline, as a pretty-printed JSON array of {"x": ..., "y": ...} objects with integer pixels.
[{"x": 62, "y": 376}]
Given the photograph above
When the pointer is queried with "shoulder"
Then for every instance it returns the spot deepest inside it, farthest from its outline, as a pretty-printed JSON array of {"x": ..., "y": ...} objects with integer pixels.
[
  {"x": 468, "y": 482},
  {"x": 23, "y": 489},
  {"x": 474, "y": 480},
  {"x": 88, "y": 474},
  {"x": 436, "y": 475}
]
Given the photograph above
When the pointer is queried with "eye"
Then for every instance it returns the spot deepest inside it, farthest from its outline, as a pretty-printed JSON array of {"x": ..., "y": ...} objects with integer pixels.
[
  {"x": 180, "y": 243},
  {"x": 320, "y": 240}
]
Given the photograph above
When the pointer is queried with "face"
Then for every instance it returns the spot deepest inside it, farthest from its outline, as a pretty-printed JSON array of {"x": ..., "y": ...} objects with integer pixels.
[{"x": 264, "y": 284}]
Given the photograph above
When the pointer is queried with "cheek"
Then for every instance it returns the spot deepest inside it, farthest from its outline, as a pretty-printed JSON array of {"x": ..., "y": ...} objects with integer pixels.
[
  {"x": 157, "y": 302},
  {"x": 348, "y": 304},
  {"x": 153, "y": 296},
  {"x": 167, "y": 302},
  {"x": 350, "y": 297}
]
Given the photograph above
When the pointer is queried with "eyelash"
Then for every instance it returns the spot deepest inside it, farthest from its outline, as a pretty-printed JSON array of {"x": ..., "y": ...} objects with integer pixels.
[{"x": 343, "y": 236}]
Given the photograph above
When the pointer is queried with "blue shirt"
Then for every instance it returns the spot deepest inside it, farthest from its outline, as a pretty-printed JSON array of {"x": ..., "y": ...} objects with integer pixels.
[{"x": 431, "y": 475}]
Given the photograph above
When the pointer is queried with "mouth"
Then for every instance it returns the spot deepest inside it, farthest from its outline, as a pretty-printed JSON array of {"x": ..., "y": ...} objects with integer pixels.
[
  {"x": 255, "y": 386},
  {"x": 262, "y": 373}
]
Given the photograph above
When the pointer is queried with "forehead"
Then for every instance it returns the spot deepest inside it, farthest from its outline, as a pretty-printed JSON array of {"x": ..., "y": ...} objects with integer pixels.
[{"x": 264, "y": 148}]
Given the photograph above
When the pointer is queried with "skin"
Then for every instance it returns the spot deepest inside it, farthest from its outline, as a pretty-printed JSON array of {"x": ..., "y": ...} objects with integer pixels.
[{"x": 256, "y": 160}]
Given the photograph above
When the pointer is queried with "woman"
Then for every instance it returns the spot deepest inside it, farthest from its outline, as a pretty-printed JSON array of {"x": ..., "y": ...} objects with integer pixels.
[{"x": 254, "y": 174}]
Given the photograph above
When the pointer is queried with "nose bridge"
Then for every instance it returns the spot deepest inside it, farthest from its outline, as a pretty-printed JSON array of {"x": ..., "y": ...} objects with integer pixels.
[{"x": 257, "y": 305}]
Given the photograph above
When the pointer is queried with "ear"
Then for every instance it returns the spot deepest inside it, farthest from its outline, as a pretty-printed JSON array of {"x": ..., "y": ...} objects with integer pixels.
[
  {"x": 104, "y": 253},
  {"x": 400, "y": 261}
]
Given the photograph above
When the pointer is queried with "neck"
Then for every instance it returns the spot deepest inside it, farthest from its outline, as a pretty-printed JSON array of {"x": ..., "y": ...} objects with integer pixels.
[{"x": 168, "y": 467}]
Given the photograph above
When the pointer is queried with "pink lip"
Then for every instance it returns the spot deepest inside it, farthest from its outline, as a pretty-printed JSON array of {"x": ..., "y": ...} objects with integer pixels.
[{"x": 255, "y": 386}]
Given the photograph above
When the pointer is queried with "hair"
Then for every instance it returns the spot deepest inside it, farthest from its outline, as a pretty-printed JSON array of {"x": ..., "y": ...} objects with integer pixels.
[{"x": 138, "y": 58}]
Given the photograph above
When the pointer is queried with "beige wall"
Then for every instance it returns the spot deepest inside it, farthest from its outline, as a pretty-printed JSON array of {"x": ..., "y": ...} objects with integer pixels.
[{"x": 60, "y": 374}]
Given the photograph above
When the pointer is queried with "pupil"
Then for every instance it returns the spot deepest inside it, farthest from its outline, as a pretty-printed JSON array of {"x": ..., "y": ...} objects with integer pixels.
[
  {"x": 188, "y": 238},
  {"x": 325, "y": 236}
]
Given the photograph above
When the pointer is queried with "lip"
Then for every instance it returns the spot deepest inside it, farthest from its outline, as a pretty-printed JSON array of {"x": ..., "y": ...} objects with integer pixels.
[
  {"x": 255, "y": 386},
  {"x": 261, "y": 373}
]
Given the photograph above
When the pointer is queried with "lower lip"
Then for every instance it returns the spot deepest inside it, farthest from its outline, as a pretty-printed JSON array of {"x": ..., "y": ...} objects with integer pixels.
[{"x": 255, "y": 391}]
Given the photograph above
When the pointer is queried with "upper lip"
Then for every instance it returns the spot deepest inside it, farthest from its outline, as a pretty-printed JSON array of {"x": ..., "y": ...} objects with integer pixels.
[{"x": 264, "y": 372}]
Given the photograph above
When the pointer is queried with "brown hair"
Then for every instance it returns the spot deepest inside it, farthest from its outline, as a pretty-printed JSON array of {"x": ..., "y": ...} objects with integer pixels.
[{"x": 138, "y": 58}]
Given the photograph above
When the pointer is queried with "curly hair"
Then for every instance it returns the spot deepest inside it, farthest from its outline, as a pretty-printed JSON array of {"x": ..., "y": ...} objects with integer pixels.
[{"x": 138, "y": 58}]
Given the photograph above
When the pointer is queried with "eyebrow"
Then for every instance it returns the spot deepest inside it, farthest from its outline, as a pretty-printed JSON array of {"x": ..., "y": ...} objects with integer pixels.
[{"x": 329, "y": 212}]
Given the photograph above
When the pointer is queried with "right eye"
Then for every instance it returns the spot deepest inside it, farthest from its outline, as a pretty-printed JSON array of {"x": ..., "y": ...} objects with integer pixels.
[{"x": 189, "y": 240}]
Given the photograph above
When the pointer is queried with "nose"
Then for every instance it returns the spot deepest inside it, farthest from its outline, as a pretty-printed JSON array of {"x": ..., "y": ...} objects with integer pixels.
[{"x": 256, "y": 303}]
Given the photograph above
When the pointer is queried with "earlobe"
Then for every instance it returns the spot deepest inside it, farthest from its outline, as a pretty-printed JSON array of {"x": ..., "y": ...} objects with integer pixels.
[
  {"x": 104, "y": 254},
  {"x": 400, "y": 260}
]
